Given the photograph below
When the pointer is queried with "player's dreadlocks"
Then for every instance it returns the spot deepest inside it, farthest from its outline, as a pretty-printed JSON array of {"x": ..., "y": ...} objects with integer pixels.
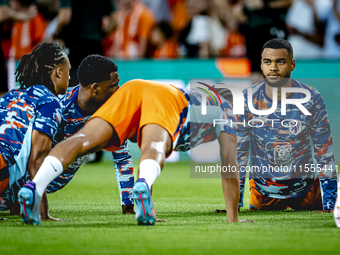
[
  {"x": 36, "y": 67},
  {"x": 94, "y": 69}
]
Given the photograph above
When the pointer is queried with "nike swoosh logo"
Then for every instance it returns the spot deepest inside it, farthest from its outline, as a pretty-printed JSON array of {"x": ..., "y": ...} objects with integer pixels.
[{"x": 53, "y": 167}]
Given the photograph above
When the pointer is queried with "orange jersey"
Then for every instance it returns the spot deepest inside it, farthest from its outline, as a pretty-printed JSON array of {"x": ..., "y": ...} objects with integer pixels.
[
  {"x": 140, "y": 102},
  {"x": 168, "y": 50},
  {"x": 132, "y": 26},
  {"x": 26, "y": 35}
]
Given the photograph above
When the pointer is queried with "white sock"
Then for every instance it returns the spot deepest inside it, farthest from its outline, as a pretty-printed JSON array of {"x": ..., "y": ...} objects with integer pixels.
[
  {"x": 149, "y": 169},
  {"x": 50, "y": 169}
]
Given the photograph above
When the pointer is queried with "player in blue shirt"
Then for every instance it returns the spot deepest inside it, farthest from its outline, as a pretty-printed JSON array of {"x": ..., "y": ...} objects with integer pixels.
[
  {"x": 29, "y": 118},
  {"x": 78, "y": 105},
  {"x": 291, "y": 156}
]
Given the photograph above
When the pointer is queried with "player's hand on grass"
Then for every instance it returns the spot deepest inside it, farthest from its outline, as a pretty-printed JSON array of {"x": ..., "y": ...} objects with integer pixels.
[
  {"x": 154, "y": 215},
  {"x": 44, "y": 213},
  {"x": 54, "y": 219},
  {"x": 160, "y": 220},
  {"x": 324, "y": 211},
  {"x": 220, "y": 211},
  {"x": 48, "y": 217},
  {"x": 128, "y": 209}
]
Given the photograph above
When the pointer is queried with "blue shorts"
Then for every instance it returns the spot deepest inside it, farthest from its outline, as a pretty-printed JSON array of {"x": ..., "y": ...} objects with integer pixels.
[{"x": 8, "y": 194}]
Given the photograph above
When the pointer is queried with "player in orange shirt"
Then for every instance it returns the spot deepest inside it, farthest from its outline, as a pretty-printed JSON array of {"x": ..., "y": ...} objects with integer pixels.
[
  {"x": 156, "y": 116},
  {"x": 134, "y": 23}
]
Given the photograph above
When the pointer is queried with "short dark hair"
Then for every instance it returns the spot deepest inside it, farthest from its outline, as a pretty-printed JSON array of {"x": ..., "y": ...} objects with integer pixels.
[
  {"x": 35, "y": 68},
  {"x": 279, "y": 44},
  {"x": 95, "y": 69}
]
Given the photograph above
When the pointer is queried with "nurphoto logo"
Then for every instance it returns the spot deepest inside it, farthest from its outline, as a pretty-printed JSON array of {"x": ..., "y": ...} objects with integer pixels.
[{"x": 238, "y": 100}]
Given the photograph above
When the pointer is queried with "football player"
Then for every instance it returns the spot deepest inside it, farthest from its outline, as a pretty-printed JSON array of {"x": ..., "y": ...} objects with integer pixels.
[
  {"x": 30, "y": 117},
  {"x": 291, "y": 156},
  {"x": 97, "y": 83}
]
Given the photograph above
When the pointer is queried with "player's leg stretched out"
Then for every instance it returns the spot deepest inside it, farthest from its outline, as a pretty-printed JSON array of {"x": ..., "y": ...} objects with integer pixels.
[
  {"x": 156, "y": 142},
  {"x": 94, "y": 136}
]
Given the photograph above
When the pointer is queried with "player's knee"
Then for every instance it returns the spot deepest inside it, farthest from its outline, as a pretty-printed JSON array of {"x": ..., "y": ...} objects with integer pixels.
[{"x": 73, "y": 145}]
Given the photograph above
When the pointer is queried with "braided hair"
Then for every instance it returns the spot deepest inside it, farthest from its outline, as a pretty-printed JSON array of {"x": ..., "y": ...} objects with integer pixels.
[{"x": 36, "y": 67}]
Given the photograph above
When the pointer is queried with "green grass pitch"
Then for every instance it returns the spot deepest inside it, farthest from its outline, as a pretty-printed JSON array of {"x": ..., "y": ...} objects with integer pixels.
[{"x": 96, "y": 225}]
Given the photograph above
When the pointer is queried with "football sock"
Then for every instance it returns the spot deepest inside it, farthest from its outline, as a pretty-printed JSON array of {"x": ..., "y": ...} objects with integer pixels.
[
  {"x": 149, "y": 170},
  {"x": 49, "y": 170},
  {"x": 125, "y": 180}
]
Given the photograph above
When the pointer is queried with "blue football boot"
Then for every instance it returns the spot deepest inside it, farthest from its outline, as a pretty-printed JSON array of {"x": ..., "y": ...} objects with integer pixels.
[
  {"x": 29, "y": 204},
  {"x": 143, "y": 202}
]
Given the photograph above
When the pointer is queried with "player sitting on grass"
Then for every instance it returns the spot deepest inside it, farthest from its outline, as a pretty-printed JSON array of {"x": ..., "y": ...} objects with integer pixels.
[
  {"x": 30, "y": 117},
  {"x": 98, "y": 80},
  {"x": 156, "y": 116}
]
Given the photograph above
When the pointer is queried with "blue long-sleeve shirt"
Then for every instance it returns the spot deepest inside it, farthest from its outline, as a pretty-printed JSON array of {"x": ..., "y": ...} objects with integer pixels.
[
  {"x": 300, "y": 145},
  {"x": 73, "y": 120}
]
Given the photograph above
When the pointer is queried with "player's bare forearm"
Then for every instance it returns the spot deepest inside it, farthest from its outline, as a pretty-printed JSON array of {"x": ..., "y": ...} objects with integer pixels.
[
  {"x": 41, "y": 146},
  {"x": 230, "y": 178},
  {"x": 231, "y": 193},
  {"x": 44, "y": 207}
]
